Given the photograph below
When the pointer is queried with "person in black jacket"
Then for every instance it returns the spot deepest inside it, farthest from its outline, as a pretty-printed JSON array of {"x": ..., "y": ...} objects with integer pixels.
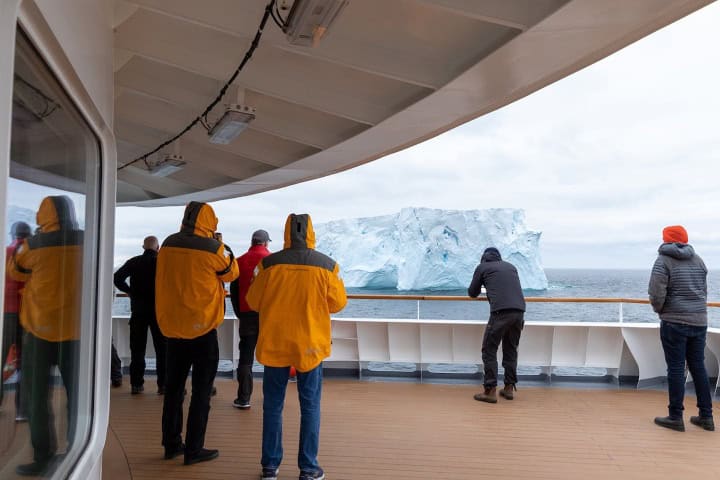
[
  {"x": 141, "y": 270},
  {"x": 507, "y": 308}
]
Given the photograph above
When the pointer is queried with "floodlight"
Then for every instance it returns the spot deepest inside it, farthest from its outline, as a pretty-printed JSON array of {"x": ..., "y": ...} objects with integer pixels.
[
  {"x": 235, "y": 119},
  {"x": 309, "y": 20},
  {"x": 167, "y": 166}
]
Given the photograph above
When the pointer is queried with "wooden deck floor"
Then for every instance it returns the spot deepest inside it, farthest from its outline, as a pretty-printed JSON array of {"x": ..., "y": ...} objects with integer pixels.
[{"x": 410, "y": 431}]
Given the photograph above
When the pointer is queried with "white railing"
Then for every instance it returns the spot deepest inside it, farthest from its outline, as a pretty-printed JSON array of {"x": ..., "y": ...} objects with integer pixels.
[{"x": 623, "y": 348}]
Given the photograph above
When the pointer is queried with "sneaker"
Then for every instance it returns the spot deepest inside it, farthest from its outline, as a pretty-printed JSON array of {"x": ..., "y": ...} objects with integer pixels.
[
  {"x": 172, "y": 452},
  {"x": 316, "y": 475},
  {"x": 137, "y": 389},
  {"x": 270, "y": 473},
  {"x": 676, "y": 424},
  {"x": 21, "y": 418},
  {"x": 241, "y": 404},
  {"x": 203, "y": 455},
  {"x": 706, "y": 423}
]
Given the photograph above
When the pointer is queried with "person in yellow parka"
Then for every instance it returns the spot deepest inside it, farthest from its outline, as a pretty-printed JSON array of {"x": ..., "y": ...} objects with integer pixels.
[
  {"x": 192, "y": 266},
  {"x": 50, "y": 264},
  {"x": 295, "y": 290}
]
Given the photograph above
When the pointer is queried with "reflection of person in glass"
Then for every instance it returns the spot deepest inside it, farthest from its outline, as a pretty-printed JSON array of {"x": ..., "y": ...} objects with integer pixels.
[
  {"x": 12, "y": 331},
  {"x": 50, "y": 264}
]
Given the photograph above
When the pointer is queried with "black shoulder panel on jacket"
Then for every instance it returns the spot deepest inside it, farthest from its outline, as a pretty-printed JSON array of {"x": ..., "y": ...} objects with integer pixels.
[
  {"x": 190, "y": 217},
  {"x": 59, "y": 238},
  {"x": 299, "y": 256},
  {"x": 193, "y": 242}
]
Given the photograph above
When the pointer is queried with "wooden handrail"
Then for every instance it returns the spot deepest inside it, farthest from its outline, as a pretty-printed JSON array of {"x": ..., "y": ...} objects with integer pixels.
[{"x": 458, "y": 298}]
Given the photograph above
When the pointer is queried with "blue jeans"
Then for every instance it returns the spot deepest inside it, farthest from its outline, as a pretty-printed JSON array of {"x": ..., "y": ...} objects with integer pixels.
[
  {"x": 309, "y": 386},
  {"x": 683, "y": 343}
]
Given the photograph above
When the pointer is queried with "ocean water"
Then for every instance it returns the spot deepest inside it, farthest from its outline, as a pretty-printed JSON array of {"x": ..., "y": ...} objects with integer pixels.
[{"x": 573, "y": 283}]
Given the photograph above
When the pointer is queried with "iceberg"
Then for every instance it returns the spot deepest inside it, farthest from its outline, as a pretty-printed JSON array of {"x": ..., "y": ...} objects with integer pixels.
[{"x": 430, "y": 249}]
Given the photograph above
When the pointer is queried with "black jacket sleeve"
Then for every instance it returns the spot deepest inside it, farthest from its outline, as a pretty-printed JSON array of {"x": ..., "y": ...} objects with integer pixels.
[
  {"x": 476, "y": 283},
  {"x": 234, "y": 294},
  {"x": 120, "y": 277}
]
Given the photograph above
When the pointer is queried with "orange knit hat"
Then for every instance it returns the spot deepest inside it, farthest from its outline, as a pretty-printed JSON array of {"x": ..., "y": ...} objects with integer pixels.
[{"x": 675, "y": 234}]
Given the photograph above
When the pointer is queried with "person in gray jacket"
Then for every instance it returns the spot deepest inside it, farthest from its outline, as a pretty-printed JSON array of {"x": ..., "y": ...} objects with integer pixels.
[
  {"x": 678, "y": 294},
  {"x": 507, "y": 310}
]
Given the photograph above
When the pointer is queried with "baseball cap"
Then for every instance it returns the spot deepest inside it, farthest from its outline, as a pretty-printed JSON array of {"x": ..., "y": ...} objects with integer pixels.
[{"x": 260, "y": 236}]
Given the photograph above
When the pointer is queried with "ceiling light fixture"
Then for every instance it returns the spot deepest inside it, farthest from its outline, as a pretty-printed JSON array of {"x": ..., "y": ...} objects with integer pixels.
[
  {"x": 309, "y": 20},
  {"x": 235, "y": 119},
  {"x": 167, "y": 166}
]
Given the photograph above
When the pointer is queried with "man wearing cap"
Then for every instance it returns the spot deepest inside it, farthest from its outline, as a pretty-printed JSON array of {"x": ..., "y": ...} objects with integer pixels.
[
  {"x": 678, "y": 293},
  {"x": 12, "y": 331},
  {"x": 249, "y": 320}
]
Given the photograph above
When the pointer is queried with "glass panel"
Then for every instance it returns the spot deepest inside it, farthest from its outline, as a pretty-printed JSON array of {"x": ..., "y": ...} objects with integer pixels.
[{"x": 51, "y": 260}]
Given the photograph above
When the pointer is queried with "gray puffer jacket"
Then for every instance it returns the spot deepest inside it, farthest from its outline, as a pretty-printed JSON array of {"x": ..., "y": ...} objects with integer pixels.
[{"x": 678, "y": 285}]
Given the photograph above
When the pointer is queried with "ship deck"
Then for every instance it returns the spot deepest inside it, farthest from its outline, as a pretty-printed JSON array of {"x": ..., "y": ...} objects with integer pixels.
[{"x": 401, "y": 430}]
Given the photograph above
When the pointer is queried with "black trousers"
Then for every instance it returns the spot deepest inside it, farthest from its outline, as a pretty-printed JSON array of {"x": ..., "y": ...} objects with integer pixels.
[
  {"x": 139, "y": 325},
  {"x": 202, "y": 354},
  {"x": 504, "y": 326},
  {"x": 115, "y": 366},
  {"x": 38, "y": 358},
  {"x": 248, "y": 330}
]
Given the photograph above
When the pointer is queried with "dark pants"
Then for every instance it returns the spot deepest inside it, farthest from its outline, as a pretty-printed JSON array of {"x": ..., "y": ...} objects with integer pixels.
[
  {"x": 115, "y": 366},
  {"x": 309, "y": 387},
  {"x": 139, "y": 325},
  {"x": 504, "y": 326},
  {"x": 38, "y": 358},
  {"x": 202, "y": 354},
  {"x": 248, "y": 330},
  {"x": 683, "y": 343},
  {"x": 12, "y": 335}
]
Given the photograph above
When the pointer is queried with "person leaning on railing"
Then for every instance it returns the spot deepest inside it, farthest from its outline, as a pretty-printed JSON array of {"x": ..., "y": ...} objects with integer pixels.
[{"x": 678, "y": 293}]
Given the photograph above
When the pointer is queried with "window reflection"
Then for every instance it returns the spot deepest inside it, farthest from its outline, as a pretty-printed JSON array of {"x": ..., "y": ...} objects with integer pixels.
[{"x": 48, "y": 317}]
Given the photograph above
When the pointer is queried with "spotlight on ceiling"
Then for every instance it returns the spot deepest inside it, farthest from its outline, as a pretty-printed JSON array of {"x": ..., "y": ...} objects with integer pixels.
[
  {"x": 309, "y": 20},
  {"x": 167, "y": 166},
  {"x": 235, "y": 119}
]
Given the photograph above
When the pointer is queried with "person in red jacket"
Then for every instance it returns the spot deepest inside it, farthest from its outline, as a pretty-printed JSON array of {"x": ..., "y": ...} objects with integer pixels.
[
  {"x": 249, "y": 320},
  {"x": 12, "y": 331}
]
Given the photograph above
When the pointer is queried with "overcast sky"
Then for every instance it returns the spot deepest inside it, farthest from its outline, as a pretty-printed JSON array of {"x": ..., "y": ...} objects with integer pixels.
[{"x": 600, "y": 161}]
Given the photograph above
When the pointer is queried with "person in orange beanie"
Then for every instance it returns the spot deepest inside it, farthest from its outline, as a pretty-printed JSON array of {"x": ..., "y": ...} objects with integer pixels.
[{"x": 678, "y": 293}]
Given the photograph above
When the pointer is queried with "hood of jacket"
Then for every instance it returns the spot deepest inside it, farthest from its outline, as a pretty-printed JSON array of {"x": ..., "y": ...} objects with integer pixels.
[
  {"x": 491, "y": 254},
  {"x": 681, "y": 251},
  {"x": 299, "y": 231},
  {"x": 56, "y": 213},
  {"x": 199, "y": 219}
]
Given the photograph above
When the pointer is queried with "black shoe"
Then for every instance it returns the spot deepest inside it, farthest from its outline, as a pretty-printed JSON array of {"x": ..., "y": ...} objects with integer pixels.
[
  {"x": 241, "y": 404},
  {"x": 316, "y": 475},
  {"x": 706, "y": 423},
  {"x": 270, "y": 473},
  {"x": 201, "y": 456},
  {"x": 33, "y": 469},
  {"x": 137, "y": 389},
  {"x": 676, "y": 424},
  {"x": 161, "y": 391},
  {"x": 117, "y": 383},
  {"x": 172, "y": 452},
  {"x": 213, "y": 392}
]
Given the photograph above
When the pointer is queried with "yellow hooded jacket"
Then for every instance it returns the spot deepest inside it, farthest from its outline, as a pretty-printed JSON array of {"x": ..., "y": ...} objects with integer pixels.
[
  {"x": 191, "y": 269},
  {"x": 295, "y": 291},
  {"x": 50, "y": 264}
]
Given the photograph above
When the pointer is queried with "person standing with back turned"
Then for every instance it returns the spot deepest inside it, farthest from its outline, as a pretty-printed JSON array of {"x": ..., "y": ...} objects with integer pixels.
[
  {"x": 141, "y": 270},
  {"x": 190, "y": 304},
  {"x": 295, "y": 291},
  {"x": 678, "y": 294},
  {"x": 249, "y": 320},
  {"x": 507, "y": 310}
]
